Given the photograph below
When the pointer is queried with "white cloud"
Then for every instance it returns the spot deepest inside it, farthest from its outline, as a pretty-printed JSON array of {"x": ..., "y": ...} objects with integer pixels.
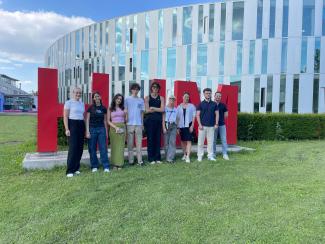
[{"x": 25, "y": 36}]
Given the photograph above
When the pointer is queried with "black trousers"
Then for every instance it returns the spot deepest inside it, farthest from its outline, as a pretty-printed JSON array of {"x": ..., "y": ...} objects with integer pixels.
[
  {"x": 76, "y": 143},
  {"x": 153, "y": 128}
]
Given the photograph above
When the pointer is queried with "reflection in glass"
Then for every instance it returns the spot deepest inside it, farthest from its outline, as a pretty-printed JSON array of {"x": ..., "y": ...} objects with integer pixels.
[
  {"x": 95, "y": 40},
  {"x": 202, "y": 60},
  {"x": 174, "y": 27},
  {"x": 323, "y": 18},
  {"x": 147, "y": 31},
  {"x": 317, "y": 55},
  {"x": 238, "y": 20},
  {"x": 223, "y": 22},
  {"x": 77, "y": 44},
  {"x": 121, "y": 66},
  {"x": 239, "y": 57},
  {"x": 118, "y": 35},
  {"x": 269, "y": 93},
  {"x": 284, "y": 52},
  {"x": 295, "y": 97},
  {"x": 200, "y": 25},
  {"x": 303, "y": 63},
  {"x": 171, "y": 62},
  {"x": 308, "y": 18},
  {"x": 106, "y": 37},
  {"x": 187, "y": 25},
  {"x": 211, "y": 22},
  {"x": 188, "y": 61},
  {"x": 259, "y": 24},
  {"x": 257, "y": 94},
  {"x": 145, "y": 64},
  {"x": 285, "y": 18},
  {"x": 221, "y": 58},
  {"x": 264, "y": 55},
  {"x": 272, "y": 18},
  {"x": 315, "y": 94},
  {"x": 282, "y": 93},
  {"x": 251, "y": 57}
]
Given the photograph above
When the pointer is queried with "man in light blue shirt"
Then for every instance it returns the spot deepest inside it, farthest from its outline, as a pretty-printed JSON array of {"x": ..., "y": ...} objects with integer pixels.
[{"x": 134, "y": 109}]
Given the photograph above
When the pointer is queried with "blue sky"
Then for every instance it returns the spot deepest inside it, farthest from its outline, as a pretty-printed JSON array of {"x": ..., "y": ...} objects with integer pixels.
[{"x": 32, "y": 25}]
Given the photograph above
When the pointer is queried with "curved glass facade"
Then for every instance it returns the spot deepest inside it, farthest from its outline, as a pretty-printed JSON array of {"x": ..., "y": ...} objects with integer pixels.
[{"x": 272, "y": 49}]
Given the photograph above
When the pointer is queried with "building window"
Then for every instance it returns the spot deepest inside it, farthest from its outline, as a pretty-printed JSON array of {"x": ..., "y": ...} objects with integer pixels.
[
  {"x": 95, "y": 40},
  {"x": 113, "y": 69},
  {"x": 259, "y": 24},
  {"x": 221, "y": 58},
  {"x": 131, "y": 35},
  {"x": 77, "y": 44},
  {"x": 308, "y": 18},
  {"x": 134, "y": 35},
  {"x": 223, "y": 22},
  {"x": 211, "y": 22},
  {"x": 118, "y": 35},
  {"x": 127, "y": 34},
  {"x": 315, "y": 94},
  {"x": 323, "y": 18},
  {"x": 106, "y": 37},
  {"x": 304, "y": 50},
  {"x": 171, "y": 62},
  {"x": 174, "y": 27},
  {"x": 187, "y": 25},
  {"x": 282, "y": 98},
  {"x": 100, "y": 39},
  {"x": 269, "y": 93},
  {"x": 264, "y": 56},
  {"x": 238, "y": 20},
  {"x": 263, "y": 97},
  {"x": 188, "y": 61},
  {"x": 295, "y": 97},
  {"x": 202, "y": 60},
  {"x": 239, "y": 57},
  {"x": 285, "y": 18},
  {"x": 284, "y": 52},
  {"x": 147, "y": 31},
  {"x": 251, "y": 57},
  {"x": 89, "y": 40},
  {"x": 257, "y": 94},
  {"x": 317, "y": 55},
  {"x": 200, "y": 24},
  {"x": 130, "y": 65},
  {"x": 144, "y": 65},
  {"x": 272, "y": 18},
  {"x": 82, "y": 43}
]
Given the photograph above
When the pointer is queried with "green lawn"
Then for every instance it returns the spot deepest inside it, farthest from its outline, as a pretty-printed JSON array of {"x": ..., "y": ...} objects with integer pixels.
[{"x": 275, "y": 194}]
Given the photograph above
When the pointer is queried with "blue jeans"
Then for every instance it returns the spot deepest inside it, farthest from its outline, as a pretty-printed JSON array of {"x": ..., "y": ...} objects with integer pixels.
[
  {"x": 223, "y": 137},
  {"x": 98, "y": 135}
]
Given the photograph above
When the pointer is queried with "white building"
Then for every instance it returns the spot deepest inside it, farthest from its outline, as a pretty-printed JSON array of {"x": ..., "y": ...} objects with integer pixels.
[{"x": 273, "y": 49}]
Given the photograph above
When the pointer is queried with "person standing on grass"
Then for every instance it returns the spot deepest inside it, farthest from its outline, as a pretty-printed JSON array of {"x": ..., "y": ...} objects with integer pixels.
[
  {"x": 74, "y": 124},
  {"x": 134, "y": 109},
  {"x": 185, "y": 125},
  {"x": 96, "y": 126},
  {"x": 169, "y": 125},
  {"x": 207, "y": 118},
  {"x": 116, "y": 121},
  {"x": 221, "y": 130},
  {"x": 155, "y": 106}
]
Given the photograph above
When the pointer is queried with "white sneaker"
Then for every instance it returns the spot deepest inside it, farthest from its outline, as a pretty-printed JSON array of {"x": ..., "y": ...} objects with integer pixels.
[
  {"x": 94, "y": 170},
  {"x": 106, "y": 170},
  {"x": 140, "y": 163},
  {"x": 184, "y": 157},
  {"x": 187, "y": 160},
  {"x": 77, "y": 172},
  {"x": 212, "y": 159},
  {"x": 158, "y": 162},
  {"x": 225, "y": 157},
  {"x": 199, "y": 159},
  {"x": 70, "y": 175},
  {"x": 153, "y": 162}
]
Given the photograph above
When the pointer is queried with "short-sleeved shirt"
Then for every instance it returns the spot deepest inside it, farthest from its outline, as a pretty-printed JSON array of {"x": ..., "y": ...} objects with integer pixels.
[
  {"x": 222, "y": 109},
  {"x": 77, "y": 109},
  {"x": 135, "y": 108},
  {"x": 97, "y": 114},
  {"x": 207, "y": 115}
]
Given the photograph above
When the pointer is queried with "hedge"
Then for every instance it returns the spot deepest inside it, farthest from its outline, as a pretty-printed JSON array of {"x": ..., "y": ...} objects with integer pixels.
[
  {"x": 269, "y": 126},
  {"x": 280, "y": 126}
]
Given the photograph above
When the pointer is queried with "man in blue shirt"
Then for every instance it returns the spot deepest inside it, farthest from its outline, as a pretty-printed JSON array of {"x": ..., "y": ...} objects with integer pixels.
[
  {"x": 207, "y": 117},
  {"x": 221, "y": 130}
]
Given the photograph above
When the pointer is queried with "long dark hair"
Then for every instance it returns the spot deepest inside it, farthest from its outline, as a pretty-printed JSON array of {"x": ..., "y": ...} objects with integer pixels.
[
  {"x": 113, "y": 103},
  {"x": 92, "y": 98}
]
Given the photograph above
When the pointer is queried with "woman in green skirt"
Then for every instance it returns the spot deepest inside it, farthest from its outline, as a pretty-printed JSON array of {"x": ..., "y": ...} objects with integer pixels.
[{"x": 116, "y": 121}]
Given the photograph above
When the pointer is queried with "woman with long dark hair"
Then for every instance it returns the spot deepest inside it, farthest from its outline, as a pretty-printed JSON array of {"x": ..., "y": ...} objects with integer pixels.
[
  {"x": 96, "y": 126},
  {"x": 116, "y": 121}
]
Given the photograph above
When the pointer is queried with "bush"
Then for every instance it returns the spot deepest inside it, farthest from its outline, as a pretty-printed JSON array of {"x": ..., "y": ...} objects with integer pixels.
[{"x": 280, "y": 126}]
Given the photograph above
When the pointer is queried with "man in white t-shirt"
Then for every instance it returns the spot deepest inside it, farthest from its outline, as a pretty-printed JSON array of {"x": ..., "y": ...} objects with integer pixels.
[{"x": 134, "y": 108}]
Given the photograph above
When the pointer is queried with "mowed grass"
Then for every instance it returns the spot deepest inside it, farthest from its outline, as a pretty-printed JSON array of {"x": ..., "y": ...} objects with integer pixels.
[{"x": 273, "y": 195}]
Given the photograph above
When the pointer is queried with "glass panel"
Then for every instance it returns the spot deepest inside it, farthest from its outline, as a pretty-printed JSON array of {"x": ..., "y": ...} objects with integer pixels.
[
  {"x": 106, "y": 37},
  {"x": 202, "y": 60},
  {"x": 121, "y": 68},
  {"x": 77, "y": 44},
  {"x": 295, "y": 97},
  {"x": 285, "y": 18},
  {"x": 284, "y": 52},
  {"x": 237, "y": 20},
  {"x": 89, "y": 40},
  {"x": 264, "y": 56},
  {"x": 171, "y": 62},
  {"x": 263, "y": 97},
  {"x": 127, "y": 34},
  {"x": 272, "y": 18},
  {"x": 251, "y": 57},
  {"x": 188, "y": 62},
  {"x": 269, "y": 93},
  {"x": 223, "y": 22},
  {"x": 257, "y": 94},
  {"x": 259, "y": 19},
  {"x": 174, "y": 27},
  {"x": 95, "y": 40},
  {"x": 323, "y": 18},
  {"x": 200, "y": 24},
  {"x": 239, "y": 57},
  {"x": 118, "y": 35},
  {"x": 82, "y": 43},
  {"x": 303, "y": 63},
  {"x": 315, "y": 94},
  {"x": 145, "y": 64},
  {"x": 283, "y": 82},
  {"x": 147, "y": 31},
  {"x": 134, "y": 60},
  {"x": 187, "y": 25},
  {"x": 100, "y": 38},
  {"x": 160, "y": 41},
  {"x": 221, "y": 58},
  {"x": 211, "y": 22},
  {"x": 308, "y": 18},
  {"x": 317, "y": 55}
]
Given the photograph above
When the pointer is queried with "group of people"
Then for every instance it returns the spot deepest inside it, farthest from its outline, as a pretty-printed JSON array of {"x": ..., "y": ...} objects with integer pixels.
[{"x": 126, "y": 120}]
